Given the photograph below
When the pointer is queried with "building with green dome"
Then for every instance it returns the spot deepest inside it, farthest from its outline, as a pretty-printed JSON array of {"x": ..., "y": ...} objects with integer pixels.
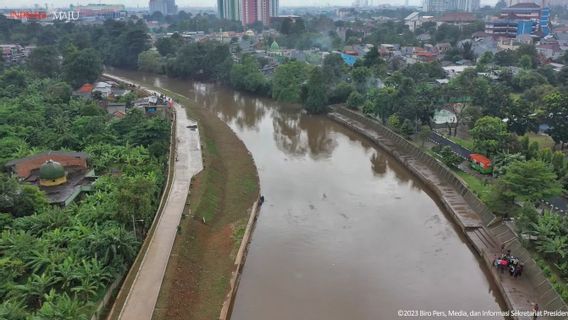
[
  {"x": 274, "y": 47},
  {"x": 61, "y": 175},
  {"x": 52, "y": 173}
]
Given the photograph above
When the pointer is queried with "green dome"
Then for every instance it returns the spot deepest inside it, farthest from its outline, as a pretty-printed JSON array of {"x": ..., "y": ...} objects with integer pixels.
[
  {"x": 51, "y": 170},
  {"x": 274, "y": 46}
]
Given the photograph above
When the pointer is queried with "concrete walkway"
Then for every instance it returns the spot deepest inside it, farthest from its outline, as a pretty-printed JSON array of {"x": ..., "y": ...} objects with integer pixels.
[{"x": 143, "y": 294}]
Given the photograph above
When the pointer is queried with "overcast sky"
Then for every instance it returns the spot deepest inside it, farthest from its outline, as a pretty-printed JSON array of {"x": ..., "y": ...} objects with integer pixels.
[{"x": 196, "y": 3}]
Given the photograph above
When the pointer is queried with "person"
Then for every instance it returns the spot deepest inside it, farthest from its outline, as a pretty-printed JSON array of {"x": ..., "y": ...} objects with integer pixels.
[
  {"x": 519, "y": 270},
  {"x": 535, "y": 311},
  {"x": 504, "y": 263},
  {"x": 261, "y": 200}
]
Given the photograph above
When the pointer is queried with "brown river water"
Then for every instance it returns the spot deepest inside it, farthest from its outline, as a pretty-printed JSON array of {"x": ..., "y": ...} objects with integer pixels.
[{"x": 346, "y": 232}]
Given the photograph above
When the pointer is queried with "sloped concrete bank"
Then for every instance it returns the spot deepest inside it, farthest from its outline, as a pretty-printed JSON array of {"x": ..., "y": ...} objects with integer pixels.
[{"x": 484, "y": 232}]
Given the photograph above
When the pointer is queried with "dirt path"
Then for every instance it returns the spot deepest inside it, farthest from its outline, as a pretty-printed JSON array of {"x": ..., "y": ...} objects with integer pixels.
[{"x": 199, "y": 271}]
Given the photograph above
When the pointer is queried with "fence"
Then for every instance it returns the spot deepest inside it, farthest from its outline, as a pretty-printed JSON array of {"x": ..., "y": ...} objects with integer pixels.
[{"x": 544, "y": 291}]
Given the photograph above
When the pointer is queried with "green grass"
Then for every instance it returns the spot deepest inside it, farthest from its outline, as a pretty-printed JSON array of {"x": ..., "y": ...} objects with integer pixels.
[
  {"x": 474, "y": 184},
  {"x": 544, "y": 141},
  {"x": 466, "y": 143}
]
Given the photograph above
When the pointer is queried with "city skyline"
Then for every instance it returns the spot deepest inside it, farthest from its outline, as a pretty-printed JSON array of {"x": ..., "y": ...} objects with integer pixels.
[{"x": 201, "y": 3}]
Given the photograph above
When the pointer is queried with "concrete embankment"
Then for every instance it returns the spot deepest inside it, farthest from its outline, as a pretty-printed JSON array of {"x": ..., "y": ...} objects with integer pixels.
[
  {"x": 239, "y": 263},
  {"x": 143, "y": 293},
  {"x": 483, "y": 230}
]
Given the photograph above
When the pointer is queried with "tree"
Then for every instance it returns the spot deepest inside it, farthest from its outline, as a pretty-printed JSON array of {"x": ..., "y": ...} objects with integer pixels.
[
  {"x": 19, "y": 200},
  {"x": 449, "y": 158},
  {"x": 556, "y": 110},
  {"x": 82, "y": 67},
  {"x": 169, "y": 45},
  {"x": 341, "y": 93},
  {"x": 531, "y": 181},
  {"x": 489, "y": 135},
  {"x": 333, "y": 68},
  {"x": 355, "y": 100},
  {"x": 149, "y": 60},
  {"x": 247, "y": 76},
  {"x": 385, "y": 103},
  {"x": 360, "y": 77},
  {"x": 45, "y": 61},
  {"x": 505, "y": 58},
  {"x": 316, "y": 94},
  {"x": 286, "y": 80}
]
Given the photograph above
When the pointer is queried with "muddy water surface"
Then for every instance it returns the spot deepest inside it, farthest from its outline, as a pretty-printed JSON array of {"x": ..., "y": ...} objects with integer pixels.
[{"x": 346, "y": 232}]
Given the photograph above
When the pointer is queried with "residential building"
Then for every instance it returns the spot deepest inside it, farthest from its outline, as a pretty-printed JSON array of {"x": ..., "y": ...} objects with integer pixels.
[
  {"x": 456, "y": 18},
  {"x": 248, "y": 11},
  {"x": 450, "y": 5},
  {"x": 166, "y": 7},
  {"x": 13, "y": 54}
]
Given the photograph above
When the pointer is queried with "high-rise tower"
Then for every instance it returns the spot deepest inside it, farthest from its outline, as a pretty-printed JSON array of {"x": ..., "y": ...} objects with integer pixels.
[
  {"x": 248, "y": 11},
  {"x": 166, "y": 7}
]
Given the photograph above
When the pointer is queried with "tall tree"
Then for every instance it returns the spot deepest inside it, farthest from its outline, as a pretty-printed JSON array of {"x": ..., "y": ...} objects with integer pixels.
[
  {"x": 45, "y": 61},
  {"x": 556, "y": 110},
  {"x": 316, "y": 94},
  {"x": 82, "y": 67},
  {"x": 531, "y": 181},
  {"x": 489, "y": 135}
]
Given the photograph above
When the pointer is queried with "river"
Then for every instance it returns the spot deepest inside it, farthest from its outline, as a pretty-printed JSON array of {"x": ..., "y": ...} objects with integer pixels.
[{"x": 346, "y": 232}]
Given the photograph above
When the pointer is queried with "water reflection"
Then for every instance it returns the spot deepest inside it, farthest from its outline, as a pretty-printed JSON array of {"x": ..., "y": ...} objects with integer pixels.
[{"x": 379, "y": 164}]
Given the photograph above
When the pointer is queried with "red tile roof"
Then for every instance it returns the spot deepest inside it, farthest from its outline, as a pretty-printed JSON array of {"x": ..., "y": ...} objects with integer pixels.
[{"x": 86, "y": 88}]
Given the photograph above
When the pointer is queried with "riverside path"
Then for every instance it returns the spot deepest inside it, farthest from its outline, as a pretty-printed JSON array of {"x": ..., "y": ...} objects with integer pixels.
[{"x": 143, "y": 294}]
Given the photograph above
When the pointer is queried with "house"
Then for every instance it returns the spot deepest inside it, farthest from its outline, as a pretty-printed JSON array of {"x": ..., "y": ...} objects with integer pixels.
[
  {"x": 456, "y": 18},
  {"x": 84, "y": 91},
  {"x": 61, "y": 175},
  {"x": 104, "y": 88},
  {"x": 453, "y": 71},
  {"x": 443, "y": 47},
  {"x": 413, "y": 21},
  {"x": 113, "y": 107},
  {"x": 442, "y": 117},
  {"x": 387, "y": 50}
]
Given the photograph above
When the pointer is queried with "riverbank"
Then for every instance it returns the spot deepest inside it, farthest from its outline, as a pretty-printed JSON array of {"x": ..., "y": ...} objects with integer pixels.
[
  {"x": 141, "y": 296},
  {"x": 198, "y": 275},
  {"x": 484, "y": 233}
]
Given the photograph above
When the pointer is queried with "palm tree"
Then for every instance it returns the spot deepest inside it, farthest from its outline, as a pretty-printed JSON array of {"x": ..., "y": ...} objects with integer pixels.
[
  {"x": 554, "y": 247},
  {"x": 62, "y": 307},
  {"x": 33, "y": 290},
  {"x": 66, "y": 273},
  {"x": 12, "y": 309}
]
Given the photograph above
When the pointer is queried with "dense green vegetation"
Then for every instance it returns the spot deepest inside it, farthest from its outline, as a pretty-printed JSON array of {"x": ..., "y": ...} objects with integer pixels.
[{"x": 55, "y": 263}]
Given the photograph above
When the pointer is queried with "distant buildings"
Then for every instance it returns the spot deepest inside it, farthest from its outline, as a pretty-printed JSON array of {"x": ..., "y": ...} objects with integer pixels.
[
  {"x": 456, "y": 18},
  {"x": 13, "y": 54},
  {"x": 165, "y": 7},
  {"x": 450, "y": 5},
  {"x": 415, "y": 20},
  {"x": 520, "y": 19},
  {"x": 248, "y": 11},
  {"x": 106, "y": 11}
]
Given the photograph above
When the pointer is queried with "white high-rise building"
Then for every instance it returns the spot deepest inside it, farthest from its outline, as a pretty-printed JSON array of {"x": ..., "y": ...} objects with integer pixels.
[{"x": 450, "y": 5}]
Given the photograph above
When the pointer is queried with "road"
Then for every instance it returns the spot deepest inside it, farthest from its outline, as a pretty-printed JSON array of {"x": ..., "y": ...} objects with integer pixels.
[{"x": 143, "y": 294}]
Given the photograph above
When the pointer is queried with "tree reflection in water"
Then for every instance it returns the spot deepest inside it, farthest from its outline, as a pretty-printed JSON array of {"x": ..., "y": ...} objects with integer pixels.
[{"x": 299, "y": 134}]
